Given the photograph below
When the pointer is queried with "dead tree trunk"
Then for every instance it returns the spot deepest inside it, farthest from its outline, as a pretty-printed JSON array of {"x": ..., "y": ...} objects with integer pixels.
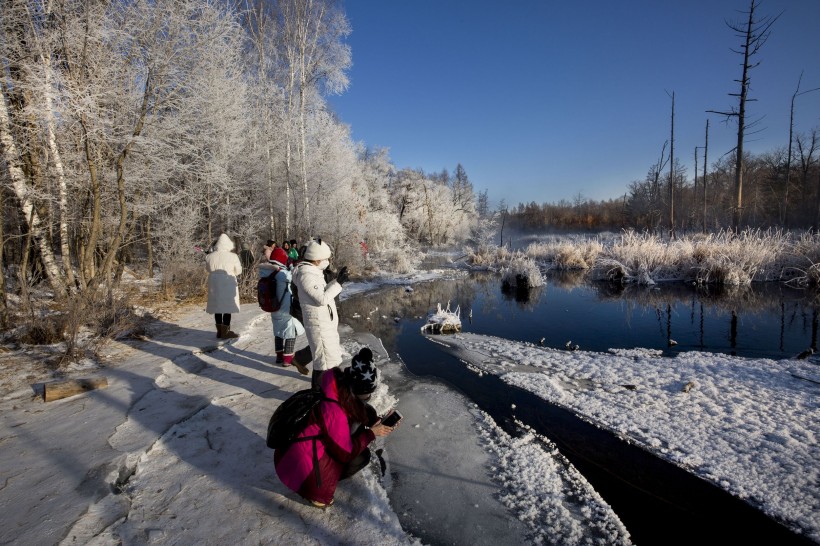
[
  {"x": 672, "y": 174},
  {"x": 754, "y": 32},
  {"x": 705, "y": 163}
]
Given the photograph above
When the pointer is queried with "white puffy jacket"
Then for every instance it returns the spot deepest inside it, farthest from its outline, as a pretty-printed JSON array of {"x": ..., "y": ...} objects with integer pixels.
[
  {"x": 223, "y": 268},
  {"x": 319, "y": 314}
]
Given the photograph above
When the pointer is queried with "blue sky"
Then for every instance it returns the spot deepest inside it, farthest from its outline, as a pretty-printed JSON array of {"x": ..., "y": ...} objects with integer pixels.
[{"x": 543, "y": 100}]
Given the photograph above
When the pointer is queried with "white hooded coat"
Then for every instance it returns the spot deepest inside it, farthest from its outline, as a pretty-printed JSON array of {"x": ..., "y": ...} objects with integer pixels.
[
  {"x": 319, "y": 315},
  {"x": 223, "y": 267}
]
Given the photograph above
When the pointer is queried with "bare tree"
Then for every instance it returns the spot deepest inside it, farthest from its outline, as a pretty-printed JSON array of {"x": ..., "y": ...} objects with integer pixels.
[
  {"x": 754, "y": 33},
  {"x": 796, "y": 94},
  {"x": 672, "y": 173},
  {"x": 705, "y": 163}
]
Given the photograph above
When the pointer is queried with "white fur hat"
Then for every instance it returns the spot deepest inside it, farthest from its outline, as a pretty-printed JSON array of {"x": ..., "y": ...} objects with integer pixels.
[{"x": 317, "y": 250}]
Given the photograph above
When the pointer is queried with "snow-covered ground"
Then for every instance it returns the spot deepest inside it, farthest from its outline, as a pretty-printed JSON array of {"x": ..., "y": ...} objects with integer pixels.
[
  {"x": 173, "y": 452},
  {"x": 751, "y": 426}
]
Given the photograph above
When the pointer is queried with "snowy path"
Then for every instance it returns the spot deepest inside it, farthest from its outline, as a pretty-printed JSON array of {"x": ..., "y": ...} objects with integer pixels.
[
  {"x": 174, "y": 443},
  {"x": 172, "y": 452}
]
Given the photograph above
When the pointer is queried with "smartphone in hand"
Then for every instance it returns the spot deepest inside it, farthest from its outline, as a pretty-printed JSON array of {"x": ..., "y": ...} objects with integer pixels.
[{"x": 392, "y": 420}]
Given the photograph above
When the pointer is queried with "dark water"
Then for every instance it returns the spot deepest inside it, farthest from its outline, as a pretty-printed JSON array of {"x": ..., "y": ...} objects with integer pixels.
[
  {"x": 768, "y": 320},
  {"x": 659, "y": 503}
]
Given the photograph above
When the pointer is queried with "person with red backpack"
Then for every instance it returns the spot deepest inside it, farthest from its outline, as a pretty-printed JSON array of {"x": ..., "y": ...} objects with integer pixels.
[{"x": 286, "y": 328}]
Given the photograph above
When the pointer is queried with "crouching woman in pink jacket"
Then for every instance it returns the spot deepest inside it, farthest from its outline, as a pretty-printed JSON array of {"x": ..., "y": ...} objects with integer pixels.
[{"x": 334, "y": 444}]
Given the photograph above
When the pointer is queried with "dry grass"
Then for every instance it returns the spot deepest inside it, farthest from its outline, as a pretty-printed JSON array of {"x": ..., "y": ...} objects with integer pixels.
[
  {"x": 641, "y": 258},
  {"x": 566, "y": 255},
  {"x": 489, "y": 256}
]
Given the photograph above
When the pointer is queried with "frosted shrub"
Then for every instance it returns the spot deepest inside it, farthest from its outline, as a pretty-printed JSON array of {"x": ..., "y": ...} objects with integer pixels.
[
  {"x": 801, "y": 264},
  {"x": 399, "y": 260},
  {"x": 489, "y": 256},
  {"x": 643, "y": 259},
  {"x": 733, "y": 260},
  {"x": 521, "y": 268},
  {"x": 565, "y": 253}
]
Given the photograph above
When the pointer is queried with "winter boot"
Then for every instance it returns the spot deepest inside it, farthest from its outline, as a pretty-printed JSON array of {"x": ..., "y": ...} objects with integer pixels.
[
  {"x": 287, "y": 360},
  {"x": 227, "y": 333},
  {"x": 220, "y": 331},
  {"x": 300, "y": 365},
  {"x": 280, "y": 358}
]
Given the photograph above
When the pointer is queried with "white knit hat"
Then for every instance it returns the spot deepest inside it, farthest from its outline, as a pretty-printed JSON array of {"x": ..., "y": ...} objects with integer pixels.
[{"x": 317, "y": 250}]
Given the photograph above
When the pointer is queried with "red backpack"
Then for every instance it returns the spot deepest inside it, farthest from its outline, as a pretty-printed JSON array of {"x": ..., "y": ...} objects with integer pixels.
[{"x": 266, "y": 294}]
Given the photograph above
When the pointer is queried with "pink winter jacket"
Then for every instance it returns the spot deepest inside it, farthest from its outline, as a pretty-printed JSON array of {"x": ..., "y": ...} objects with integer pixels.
[{"x": 334, "y": 448}]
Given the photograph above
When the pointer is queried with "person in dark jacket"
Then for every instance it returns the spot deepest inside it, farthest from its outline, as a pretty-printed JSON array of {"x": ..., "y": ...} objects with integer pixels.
[{"x": 342, "y": 427}]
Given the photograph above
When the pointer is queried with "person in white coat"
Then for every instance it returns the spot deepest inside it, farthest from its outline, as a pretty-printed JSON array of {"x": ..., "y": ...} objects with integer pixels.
[
  {"x": 223, "y": 289},
  {"x": 317, "y": 299},
  {"x": 286, "y": 328}
]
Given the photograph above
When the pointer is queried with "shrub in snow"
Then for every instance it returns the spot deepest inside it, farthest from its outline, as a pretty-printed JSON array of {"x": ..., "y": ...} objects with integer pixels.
[
  {"x": 403, "y": 260},
  {"x": 521, "y": 272}
]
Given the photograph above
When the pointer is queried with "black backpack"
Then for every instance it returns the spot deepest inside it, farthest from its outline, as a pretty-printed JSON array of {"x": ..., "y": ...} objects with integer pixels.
[
  {"x": 292, "y": 416},
  {"x": 266, "y": 293}
]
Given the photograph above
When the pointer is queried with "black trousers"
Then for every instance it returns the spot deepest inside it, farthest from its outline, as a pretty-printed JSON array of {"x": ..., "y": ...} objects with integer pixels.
[
  {"x": 222, "y": 318},
  {"x": 359, "y": 461}
]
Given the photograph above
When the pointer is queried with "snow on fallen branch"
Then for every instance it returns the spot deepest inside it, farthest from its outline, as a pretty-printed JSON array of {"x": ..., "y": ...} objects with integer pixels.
[{"x": 443, "y": 321}]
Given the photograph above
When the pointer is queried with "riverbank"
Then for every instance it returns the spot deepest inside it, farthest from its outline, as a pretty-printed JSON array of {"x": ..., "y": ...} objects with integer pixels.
[{"x": 747, "y": 425}]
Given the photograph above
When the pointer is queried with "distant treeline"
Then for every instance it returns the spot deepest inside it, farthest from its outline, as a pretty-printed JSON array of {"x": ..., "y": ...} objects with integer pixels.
[{"x": 768, "y": 200}]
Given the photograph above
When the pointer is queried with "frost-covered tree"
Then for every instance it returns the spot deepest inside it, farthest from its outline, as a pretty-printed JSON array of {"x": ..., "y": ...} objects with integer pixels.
[{"x": 315, "y": 59}]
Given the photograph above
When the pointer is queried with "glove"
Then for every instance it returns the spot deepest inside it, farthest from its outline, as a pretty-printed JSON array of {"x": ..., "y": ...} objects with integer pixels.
[{"x": 342, "y": 277}]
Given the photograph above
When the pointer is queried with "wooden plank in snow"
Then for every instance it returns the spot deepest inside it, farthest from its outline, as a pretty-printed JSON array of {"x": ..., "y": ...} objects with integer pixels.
[{"x": 56, "y": 390}]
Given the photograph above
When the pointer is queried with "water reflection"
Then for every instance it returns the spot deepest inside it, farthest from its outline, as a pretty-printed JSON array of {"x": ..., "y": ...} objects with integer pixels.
[{"x": 767, "y": 320}]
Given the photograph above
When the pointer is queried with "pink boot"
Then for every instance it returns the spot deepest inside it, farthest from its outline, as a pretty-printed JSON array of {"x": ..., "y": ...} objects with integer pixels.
[{"x": 287, "y": 360}]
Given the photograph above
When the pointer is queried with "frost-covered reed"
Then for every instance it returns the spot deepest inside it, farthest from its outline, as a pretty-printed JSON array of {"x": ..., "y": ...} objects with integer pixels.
[
  {"x": 640, "y": 258},
  {"x": 565, "y": 255},
  {"x": 734, "y": 260},
  {"x": 522, "y": 272},
  {"x": 489, "y": 257},
  {"x": 803, "y": 266},
  {"x": 723, "y": 258}
]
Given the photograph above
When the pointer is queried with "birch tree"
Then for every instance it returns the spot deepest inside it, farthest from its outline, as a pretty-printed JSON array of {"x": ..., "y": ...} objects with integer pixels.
[
  {"x": 11, "y": 158},
  {"x": 316, "y": 59}
]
